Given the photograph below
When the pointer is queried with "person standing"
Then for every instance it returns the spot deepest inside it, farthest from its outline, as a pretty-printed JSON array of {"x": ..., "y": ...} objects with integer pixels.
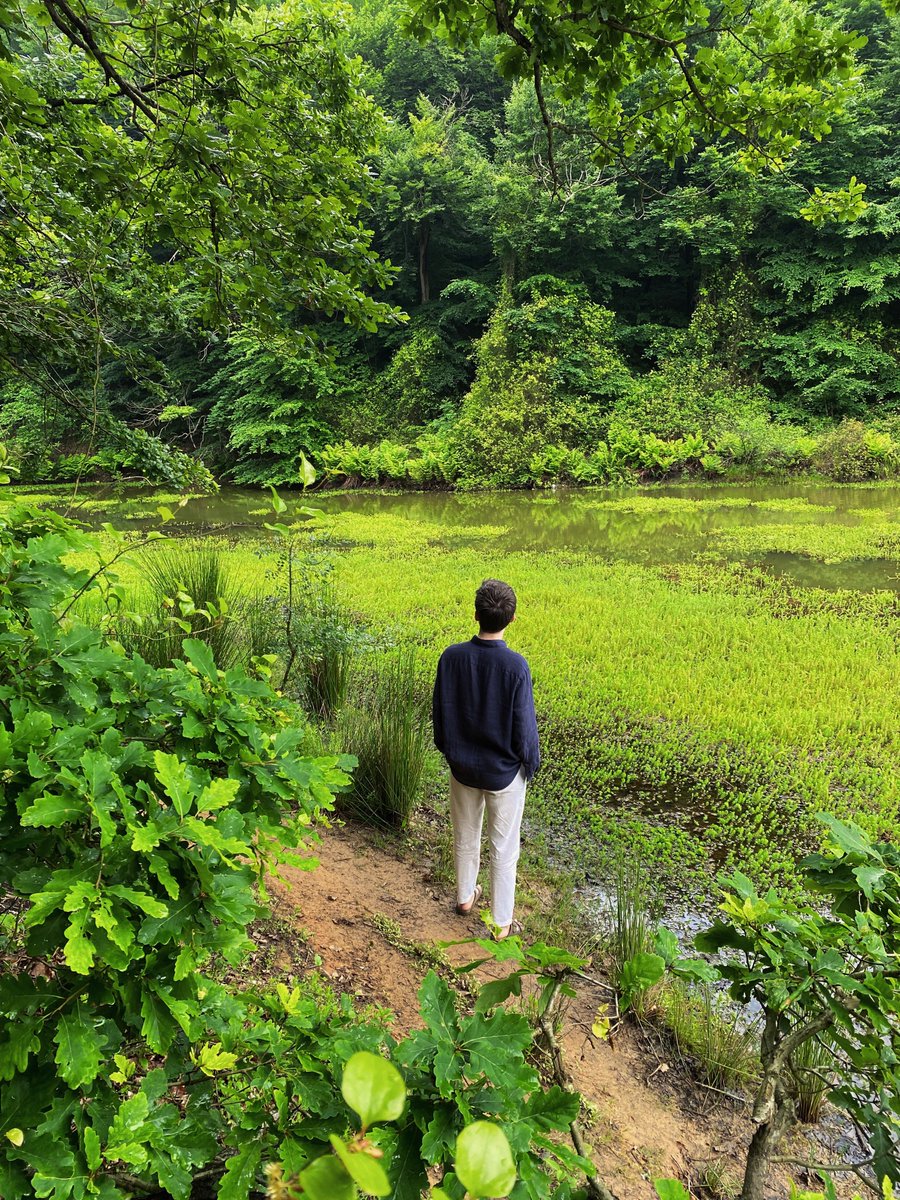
[{"x": 485, "y": 726}]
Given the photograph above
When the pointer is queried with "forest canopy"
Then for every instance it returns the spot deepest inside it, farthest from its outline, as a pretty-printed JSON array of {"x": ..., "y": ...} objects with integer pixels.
[{"x": 235, "y": 235}]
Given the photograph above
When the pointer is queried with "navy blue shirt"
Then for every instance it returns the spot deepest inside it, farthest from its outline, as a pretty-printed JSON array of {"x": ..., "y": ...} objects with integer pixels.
[{"x": 483, "y": 713}]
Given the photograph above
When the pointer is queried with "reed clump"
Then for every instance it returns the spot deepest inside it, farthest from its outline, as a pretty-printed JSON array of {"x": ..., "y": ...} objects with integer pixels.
[{"x": 386, "y": 728}]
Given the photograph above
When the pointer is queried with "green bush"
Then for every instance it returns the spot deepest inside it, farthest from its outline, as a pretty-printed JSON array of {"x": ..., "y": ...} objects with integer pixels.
[
  {"x": 386, "y": 462},
  {"x": 141, "y": 809},
  {"x": 33, "y": 426},
  {"x": 319, "y": 648},
  {"x": 547, "y": 373},
  {"x": 138, "y": 809},
  {"x": 424, "y": 378},
  {"x": 269, "y": 408},
  {"x": 682, "y": 398},
  {"x": 853, "y": 452},
  {"x": 762, "y": 445}
]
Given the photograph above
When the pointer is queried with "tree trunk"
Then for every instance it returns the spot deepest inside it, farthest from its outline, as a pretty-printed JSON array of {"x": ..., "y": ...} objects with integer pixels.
[
  {"x": 764, "y": 1144},
  {"x": 424, "y": 285}
]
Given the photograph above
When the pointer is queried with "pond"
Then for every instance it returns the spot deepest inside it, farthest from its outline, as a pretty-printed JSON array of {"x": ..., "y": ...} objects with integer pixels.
[
  {"x": 823, "y": 536},
  {"x": 694, "y": 714}
]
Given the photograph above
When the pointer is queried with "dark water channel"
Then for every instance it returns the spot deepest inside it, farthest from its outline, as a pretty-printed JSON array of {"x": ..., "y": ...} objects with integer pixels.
[{"x": 649, "y": 526}]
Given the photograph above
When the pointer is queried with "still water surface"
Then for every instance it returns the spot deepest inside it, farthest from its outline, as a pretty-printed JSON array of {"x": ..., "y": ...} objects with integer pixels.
[{"x": 652, "y": 526}]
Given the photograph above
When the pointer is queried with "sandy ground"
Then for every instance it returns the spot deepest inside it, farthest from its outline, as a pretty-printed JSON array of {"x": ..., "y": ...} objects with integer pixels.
[{"x": 646, "y": 1120}]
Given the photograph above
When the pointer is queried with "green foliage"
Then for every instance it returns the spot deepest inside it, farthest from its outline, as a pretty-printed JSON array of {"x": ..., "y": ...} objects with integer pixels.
[
  {"x": 190, "y": 590},
  {"x": 386, "y": 729},
  {"x": 320, "y": 646},
  {"x": 484, "y": 1163},
  {"x": 422, "y": 380},
  {"x": 270, "y": 405},
  {"x": 428, "y": 461},
  {"x": 853, "y": 452},
  {"x": 802, "y": 74},
  {"x": 477, "y": 1065},
  {"x": 810, "y": 973},
  {"x": 547, "y": 373},
  {"x": 713, "y": 1035},
  {"x": 433, "y": 173},
  {"x": 139, "y": 809},
  {"x": 229, "y": 214}
]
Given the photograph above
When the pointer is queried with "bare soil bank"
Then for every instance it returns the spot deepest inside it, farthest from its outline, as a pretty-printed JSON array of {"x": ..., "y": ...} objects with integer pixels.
[{"x": 373, "y": 918}]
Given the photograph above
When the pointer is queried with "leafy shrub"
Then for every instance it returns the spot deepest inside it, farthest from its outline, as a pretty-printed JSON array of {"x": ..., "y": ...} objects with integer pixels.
[
  {"x": 140, "y": 810},
  {"x": 433, "y": 463},
  {"x": 761, "y": 444},
  {"x": 33, "y": 426},
  {"x": 138, "y": 806},
  {"x": 386, "y": 462},
  {"x": 424, "y": 378},
  {"x": 547, "y": 374},
  {"x": 268, "y": 408},
  {"x": 852, "y": 453},
  {"x": 683, "y": 397}
]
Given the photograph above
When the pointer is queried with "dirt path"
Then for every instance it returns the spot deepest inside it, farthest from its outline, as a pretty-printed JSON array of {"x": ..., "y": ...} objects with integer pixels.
[{"x": 362, "y": 901}]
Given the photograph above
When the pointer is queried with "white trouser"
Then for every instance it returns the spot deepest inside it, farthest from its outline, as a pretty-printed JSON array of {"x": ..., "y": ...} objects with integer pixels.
[{"x": 504, "y": 811}]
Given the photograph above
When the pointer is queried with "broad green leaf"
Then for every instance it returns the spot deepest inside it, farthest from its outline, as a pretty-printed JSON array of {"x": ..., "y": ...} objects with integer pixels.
[
  {"x": 124, "y": 1140},
  {"x": 366, "y": 1172},
  {"x": 213, "y": 1058},
  {"x": 79, "y": 953},
  {"x": 484, "y": 1161},
  {"x": 240, "y": 1172},
  {"x": 79, "y": 1047},
  {"x": 695, "y": 969},
  {"x": 438, "y": 1007},
  {"x": 495, "y": 1043},
  {"x": 554, "y": 1108},
  {"x": 847, "y": 836},
  {"x": 440, "y": 1133},
  {"x": 307, "y": 471},
  {"x": 665, "y": 944},
  {"x": 20, "y": 1042},
  {"x": 326, "y": 1179},
  {"x": 219, "y": 794},
  {"x": 278, "y": 505},
  {"x": 867, "y": 878},
  {"x": 141, "y": 900},
  {"x": 373, "y": 1088},
  {"x": 200, "y": 656},
  {"x": 671, "y": 1189},
  {"x": 16, "y": 1136},
  {"x": 641, "y": 972},
  {"x": 173, "y": 775},
  {"x": 498, "y": 990},
  {"x": 53, "y": 811}
]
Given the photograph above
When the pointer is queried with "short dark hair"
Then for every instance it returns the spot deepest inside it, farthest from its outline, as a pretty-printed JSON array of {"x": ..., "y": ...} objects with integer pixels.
[{"x": 495, "y": 605}]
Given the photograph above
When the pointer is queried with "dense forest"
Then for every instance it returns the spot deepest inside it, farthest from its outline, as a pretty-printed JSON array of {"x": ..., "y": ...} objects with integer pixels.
[
  {"x": 525, "y": 308},
  {"x": 458, "y": 244}
]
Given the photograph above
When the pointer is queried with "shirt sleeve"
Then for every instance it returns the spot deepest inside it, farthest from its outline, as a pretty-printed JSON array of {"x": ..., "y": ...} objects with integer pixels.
[
  {"x": 437, "y": 714},
  {"x": 525, "y": 731}
]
